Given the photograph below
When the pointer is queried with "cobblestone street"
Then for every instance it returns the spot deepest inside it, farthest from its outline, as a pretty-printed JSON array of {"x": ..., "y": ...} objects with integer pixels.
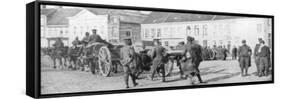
[{"x": 67, "y": 81}]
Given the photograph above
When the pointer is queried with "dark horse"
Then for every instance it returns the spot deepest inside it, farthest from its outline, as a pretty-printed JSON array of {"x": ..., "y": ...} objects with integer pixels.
[{"x": 59, "y": 54}]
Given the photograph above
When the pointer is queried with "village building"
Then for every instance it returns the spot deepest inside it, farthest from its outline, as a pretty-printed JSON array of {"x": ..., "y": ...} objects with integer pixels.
[
  {"x": 208, "y": 30},
  {"x": 69, "y": 23}
]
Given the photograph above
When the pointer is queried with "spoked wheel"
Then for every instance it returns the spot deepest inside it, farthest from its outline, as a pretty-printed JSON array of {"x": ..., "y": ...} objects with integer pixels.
[{"x": 104, "y": 61}]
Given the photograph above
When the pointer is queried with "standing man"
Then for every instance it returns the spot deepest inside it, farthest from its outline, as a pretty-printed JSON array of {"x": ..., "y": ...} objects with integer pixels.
[
  {"x": 158, "y": 56},
  {"x": 127, "y": 55},
  {"x": 244, "y": 53},
  {"x": 234, "y": 53},
  {"x": 257, "y": 57},
  {"x": 191, "y": 59},
  {"x": 225, "y": 51},
  {"x": 264, "y": 54}
]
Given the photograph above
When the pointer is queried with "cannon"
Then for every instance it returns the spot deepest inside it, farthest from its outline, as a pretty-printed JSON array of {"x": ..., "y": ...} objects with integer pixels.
[{"x": 104, "y": 57}]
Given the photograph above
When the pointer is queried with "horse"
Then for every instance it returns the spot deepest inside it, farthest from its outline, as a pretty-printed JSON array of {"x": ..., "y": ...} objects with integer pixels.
[{"x": 59, "y": 54}]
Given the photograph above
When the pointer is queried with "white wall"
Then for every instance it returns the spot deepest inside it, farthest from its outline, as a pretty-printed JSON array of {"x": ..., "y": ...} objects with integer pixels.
[
  {"x": 219, "y": 31},
  {"x": 84, "y": 22}
]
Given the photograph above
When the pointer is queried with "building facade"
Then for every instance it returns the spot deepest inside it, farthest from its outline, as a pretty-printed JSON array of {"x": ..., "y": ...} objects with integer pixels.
[
  {"x": 208, "y": 30},
  {"x": 69, "y": 23}
]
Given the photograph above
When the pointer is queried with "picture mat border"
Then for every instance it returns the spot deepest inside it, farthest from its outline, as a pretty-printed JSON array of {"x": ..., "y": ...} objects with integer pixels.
[{"x": 72, "y": 4}]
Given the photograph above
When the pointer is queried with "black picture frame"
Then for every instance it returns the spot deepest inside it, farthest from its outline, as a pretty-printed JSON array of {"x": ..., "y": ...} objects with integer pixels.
[{"x": 33, "y": 74}]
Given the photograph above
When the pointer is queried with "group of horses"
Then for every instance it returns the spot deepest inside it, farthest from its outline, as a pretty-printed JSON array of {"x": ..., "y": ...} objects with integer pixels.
[
  {"x": 67, "y": 57},
  {"x": 75, "y": 58}
]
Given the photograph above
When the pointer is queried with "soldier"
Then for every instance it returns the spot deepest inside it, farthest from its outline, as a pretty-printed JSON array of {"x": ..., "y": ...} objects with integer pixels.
[
  {"x": 127, "y": 55},
  {"x": 225, "y": 51},
  {"x": 95, "y": 37},
  {"x": 73, "y": 53},
  {"x": 58, "y": 43},
  {"x": 57, "y": 52},
  {"x": 264, "y": 54},
  {"x": 244, "y": 53},
  {"x": 234, "y": 53},
  {"x": 256, "y": 56},
  {"x": 76, "y": 42},
  {"x": 192, "y": 57},
  {"x": 158, "y": 56},
  {"x": 86, "y": 39}
]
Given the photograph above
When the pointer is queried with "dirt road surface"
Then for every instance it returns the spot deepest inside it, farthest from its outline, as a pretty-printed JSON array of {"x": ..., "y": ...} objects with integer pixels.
[{"x": 67, "y": 81}]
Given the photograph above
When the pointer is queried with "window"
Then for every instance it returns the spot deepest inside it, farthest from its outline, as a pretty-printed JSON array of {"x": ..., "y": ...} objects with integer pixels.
[
  {"x": 205, "y": 30},
  {"x": 188, "y": 30},
  {"x": 158, "y": 32},
  {"x": 152, "y": 33},
  {"x": 128, "y": 33},
  {"x": 196, "y": 30},
  {"x": 146, "y": 34}
]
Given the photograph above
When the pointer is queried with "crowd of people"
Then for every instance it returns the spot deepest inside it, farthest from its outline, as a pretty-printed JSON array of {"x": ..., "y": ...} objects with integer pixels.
[{"x": 193, "y": 54}]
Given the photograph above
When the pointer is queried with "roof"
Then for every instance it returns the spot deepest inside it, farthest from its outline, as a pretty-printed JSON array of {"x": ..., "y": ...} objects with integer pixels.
[
  {"x": 61, "y": 15},
  {"x": 163, "y": 17}
]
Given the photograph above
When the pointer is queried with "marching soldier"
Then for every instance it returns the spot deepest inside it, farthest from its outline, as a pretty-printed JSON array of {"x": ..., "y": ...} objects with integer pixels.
[
  {"x": 158, "y": 56},
  {"x": 256, "y": 56},
  {"x": 192, "y": 57},
  {"x": 244, "y": 53},
  {"x": 264, "y": 54},
  {"x": 127, "y": 55}
]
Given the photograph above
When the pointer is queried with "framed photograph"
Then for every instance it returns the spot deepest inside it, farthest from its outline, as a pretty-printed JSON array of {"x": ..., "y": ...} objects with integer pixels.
[{"x": 88, "y": 49}]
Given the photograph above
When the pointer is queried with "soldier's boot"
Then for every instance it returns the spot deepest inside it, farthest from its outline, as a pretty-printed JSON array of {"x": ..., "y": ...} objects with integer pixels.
[
  {"x": 191, "y": 79},
  {"x": 134, "y": 80},
  {"x": 199, "y": 78},
  {"x": 126, "y": 79},
  {"x": 242, "y": 72},
  {"x": 163, "y": 74},
  {"x": 246, "y": 72}
]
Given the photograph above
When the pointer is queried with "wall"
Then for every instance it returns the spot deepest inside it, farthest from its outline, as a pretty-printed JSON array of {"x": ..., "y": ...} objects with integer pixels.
[
  {"x": 133, "y": 28},
  {"x": 228, "y": 32},
  {"x": 84, "y": 22}
]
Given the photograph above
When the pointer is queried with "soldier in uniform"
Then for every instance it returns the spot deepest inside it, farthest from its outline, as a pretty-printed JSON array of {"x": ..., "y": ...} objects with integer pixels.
[
  {"x": 86, "y": 39},
  {"x": 192, "y": 57},
  {"x": 234, "y": 53},
  {"x": 264, "y": 54},
  {"x": 127, "y": 55},
  {"x": 76, "y": 42},
  {"x": 256, "y": 56},
  {"x": 244, "y": 53},
  {"x": 158, "y": 56},
  {"x": 95, "y": 37},
  {"x": 58, "y": 50}
]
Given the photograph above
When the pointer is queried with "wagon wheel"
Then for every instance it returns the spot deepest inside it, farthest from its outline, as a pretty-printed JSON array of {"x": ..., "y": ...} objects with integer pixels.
[
  {"x": 104, "y": 61},
  {"x": 168, "y": 68}
]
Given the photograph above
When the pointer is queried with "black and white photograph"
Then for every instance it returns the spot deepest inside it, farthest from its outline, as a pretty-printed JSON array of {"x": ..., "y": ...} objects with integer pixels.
[{"x": 91, "y": 49}]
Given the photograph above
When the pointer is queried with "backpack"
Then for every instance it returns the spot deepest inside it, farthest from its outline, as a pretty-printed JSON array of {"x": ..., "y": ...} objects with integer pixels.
[{"x": 244, "y": 51}]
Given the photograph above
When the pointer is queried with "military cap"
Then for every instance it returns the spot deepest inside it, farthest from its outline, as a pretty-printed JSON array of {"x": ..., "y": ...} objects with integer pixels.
[
  {"x": 189, "y": 38},
  {"x": 127, "y": 40},
  {"x": 243, "y": 41},
  {"x": 87, "y": 33},
  {"x": 260, "y": 39}
]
